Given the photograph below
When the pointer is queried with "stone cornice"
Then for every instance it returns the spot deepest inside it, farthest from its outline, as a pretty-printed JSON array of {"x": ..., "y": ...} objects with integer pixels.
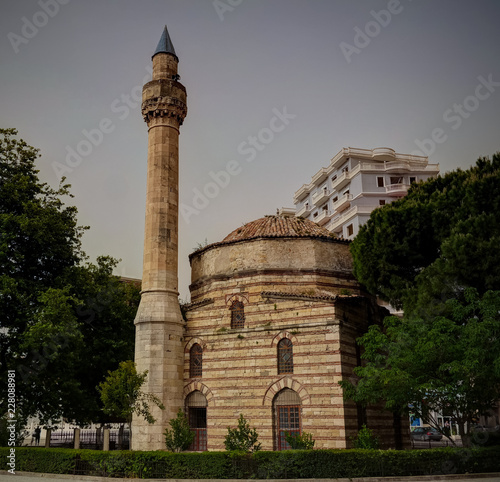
[
  {"x": 197, "y": 304},
  {"x": 297, "y": 296}
]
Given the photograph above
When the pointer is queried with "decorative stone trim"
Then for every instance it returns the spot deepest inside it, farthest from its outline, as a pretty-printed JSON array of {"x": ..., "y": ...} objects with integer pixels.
[
  {"x": 286, "y": 382},
  {"x": 192, "y": 341},
  {"x": 293, "y": 296},
  {"x": 197, "y": 385},
  {"x": 284, "y": 334},
  {"x": 236, "y": 297},
  {"x": 298, "y": 296}
]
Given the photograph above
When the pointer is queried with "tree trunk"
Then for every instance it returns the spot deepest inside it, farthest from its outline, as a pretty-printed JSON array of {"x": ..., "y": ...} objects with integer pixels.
[
  {"x": 129, "y": 421},
  {"x": 466, "y": 441}
]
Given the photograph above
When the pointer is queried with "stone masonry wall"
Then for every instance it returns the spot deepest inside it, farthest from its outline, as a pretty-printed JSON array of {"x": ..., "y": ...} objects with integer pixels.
[{"x": 240, "y": 373}]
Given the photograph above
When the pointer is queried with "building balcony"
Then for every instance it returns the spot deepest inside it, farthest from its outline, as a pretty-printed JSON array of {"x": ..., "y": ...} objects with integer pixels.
[
  {"x": 342, "y": 203},
  {"x": 384, "y": 153},
  {"x": 301, "y": 194},
  {"x": 372, "y": 166},
  {"x": 400, "y": 166},
  {"x": 320, "y": 176},
  {"x": 304, "y": 211},
  {"x": 341, "y": 181},
  {"x": 397, "y": 190},
  {"x": 320, "y": 197},
  {"x": 337, "y": 221},
  {"x": 323, "y": 217}
]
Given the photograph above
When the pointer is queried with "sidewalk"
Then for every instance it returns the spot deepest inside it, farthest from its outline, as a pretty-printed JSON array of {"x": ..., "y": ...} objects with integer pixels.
[{"x": 32, "y": 477}]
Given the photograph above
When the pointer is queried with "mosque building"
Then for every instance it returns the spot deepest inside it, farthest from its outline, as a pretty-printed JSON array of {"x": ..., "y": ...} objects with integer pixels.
[{"x": 274, "y": 314}]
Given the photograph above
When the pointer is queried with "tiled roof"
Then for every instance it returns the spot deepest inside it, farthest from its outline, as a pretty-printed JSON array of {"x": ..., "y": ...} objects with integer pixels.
[{"x": 278, "y": 226}]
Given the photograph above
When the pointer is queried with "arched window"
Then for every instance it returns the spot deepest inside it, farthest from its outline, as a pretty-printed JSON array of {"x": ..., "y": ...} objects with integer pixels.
[
  {"x": 285, "y": 356},
  {"x": 286, "y": 416},
  {"x": 237, "y": 315},
  {"x": 196, "y": 361},
  {"x": 196, "y": 409}
]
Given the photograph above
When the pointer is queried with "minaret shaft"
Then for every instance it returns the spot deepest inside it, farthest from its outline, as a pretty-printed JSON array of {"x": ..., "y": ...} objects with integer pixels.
[
  {"x": 159, "y": 323},
  {"x": 160, "y": 264}
]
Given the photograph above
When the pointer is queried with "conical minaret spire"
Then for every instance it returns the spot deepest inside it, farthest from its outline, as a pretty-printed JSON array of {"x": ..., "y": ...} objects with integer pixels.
[
  {"x": 159, "y": 323},
  {"x": 165, "y": 44}
]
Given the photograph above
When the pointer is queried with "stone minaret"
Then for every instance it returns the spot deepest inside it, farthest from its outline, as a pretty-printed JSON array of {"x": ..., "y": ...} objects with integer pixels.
[{"x": 159, "y": 323}]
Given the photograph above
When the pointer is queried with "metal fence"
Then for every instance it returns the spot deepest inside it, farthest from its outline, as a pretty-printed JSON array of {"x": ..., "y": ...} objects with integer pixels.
[
  {"x": 91, "y": 439},
  {"x": 432, "y": 444}
]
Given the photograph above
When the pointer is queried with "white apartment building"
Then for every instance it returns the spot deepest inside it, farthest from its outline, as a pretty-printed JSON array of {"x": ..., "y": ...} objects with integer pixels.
[{"x": 341, "y": 197}]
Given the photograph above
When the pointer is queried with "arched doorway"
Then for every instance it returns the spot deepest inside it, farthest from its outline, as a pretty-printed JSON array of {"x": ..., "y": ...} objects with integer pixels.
[
  {"x": 286, "y": 416},
  {"x": 196, "y": 409}
]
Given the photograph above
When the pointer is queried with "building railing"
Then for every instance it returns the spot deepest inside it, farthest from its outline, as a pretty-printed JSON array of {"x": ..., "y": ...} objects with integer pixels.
[
  {"x": 345, "y": 199},
  {"x": 387, "y": 161},
  {"x": 341, "y": 218},
  {"x": 321, "y": 196},
  {"x": 400, "y": 188},
  {"x": 323, "y": 217},
  {"x": 303, "y": 211}
]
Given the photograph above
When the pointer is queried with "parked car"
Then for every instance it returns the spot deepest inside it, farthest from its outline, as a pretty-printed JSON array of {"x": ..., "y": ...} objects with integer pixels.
[{"x": 426, "y": 433}]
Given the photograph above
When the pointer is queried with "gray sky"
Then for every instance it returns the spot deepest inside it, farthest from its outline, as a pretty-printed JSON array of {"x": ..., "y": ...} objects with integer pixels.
[{"x": 358, "y": 73}]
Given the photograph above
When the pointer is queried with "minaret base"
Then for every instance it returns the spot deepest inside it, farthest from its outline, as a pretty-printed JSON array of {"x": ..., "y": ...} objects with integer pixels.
[{"x": 160, "y": 351}]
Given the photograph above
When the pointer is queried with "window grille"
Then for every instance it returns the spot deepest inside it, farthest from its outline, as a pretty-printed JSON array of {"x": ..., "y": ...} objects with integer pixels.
[
  {"x": 285, "y": 356},
  {"x": 237, "y": 315},
  {"x": 196, "y": 361}
]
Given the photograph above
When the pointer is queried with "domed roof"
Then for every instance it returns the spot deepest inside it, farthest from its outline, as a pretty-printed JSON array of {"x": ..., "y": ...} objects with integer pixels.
[{"x": 277, "y": 227}]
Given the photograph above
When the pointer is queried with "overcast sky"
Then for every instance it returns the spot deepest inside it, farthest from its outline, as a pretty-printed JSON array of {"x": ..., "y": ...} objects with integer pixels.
[{"x": 334, "y": 73}]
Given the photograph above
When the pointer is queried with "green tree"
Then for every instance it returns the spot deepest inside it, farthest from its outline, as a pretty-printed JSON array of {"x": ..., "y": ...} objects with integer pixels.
[
  {"x": 122, "y": 396},
  {"x": 65, "y": 321},
  {"x": 436, "y": 364},
  {"x": 435, "y": 253},
  {"x": 106, "y": 319},
  {"x": 442, "y": 237},
  {"x": 242, "y": 437},
  {"x": 180, "y": 436}
]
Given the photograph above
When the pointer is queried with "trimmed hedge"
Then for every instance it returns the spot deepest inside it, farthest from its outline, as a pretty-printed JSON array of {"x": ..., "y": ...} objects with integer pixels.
[{"x": 261, "y": 465}]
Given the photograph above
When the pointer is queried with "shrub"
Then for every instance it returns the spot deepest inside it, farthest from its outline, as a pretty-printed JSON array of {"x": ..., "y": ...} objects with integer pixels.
[
  {"x": 365, "y": 439},
  {"x": 242, "y": 438},
  {"x": 300, "y": 441},
  {"x": 293, "y": 464},
  {"x": 181, "y": 436}
]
